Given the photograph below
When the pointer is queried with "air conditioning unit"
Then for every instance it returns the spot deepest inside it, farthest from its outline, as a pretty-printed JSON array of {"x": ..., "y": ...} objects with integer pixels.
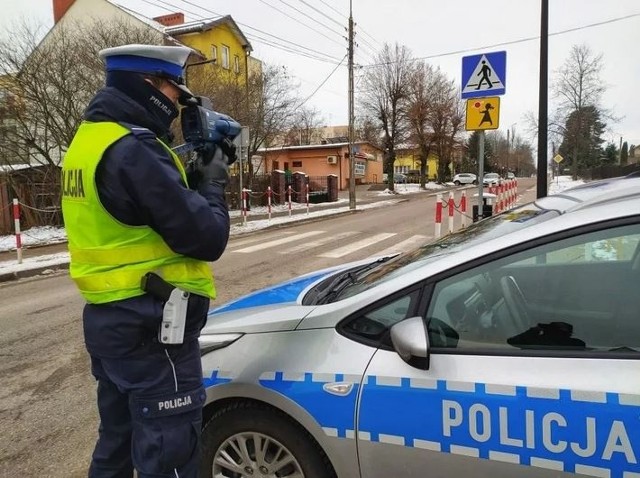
[{"x": 332, "y": 159}]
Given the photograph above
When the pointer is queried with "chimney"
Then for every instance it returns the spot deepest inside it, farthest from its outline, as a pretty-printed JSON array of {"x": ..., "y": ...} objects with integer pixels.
[
  {"x": 60, "y": 7},
  {"x": 171, "y": 19}
]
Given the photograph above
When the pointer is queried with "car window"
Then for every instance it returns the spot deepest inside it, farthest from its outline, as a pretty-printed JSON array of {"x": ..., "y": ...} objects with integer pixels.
[
  {"x": 371, "y": 326},
  {"x": 577, "y": 294}
]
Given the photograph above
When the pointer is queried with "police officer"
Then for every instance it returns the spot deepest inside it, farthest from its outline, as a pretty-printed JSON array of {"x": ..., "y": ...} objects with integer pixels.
[{"x": 129, "y": 209}]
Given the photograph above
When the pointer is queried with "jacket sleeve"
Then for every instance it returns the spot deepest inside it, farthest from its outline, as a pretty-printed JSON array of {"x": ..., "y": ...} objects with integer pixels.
[{"x": 139, "y": 184}]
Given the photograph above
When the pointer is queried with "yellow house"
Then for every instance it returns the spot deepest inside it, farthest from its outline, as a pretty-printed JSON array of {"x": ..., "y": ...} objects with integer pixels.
[
  {"x": 220, "y": 41},
  {"x": 408, "y": 159}
]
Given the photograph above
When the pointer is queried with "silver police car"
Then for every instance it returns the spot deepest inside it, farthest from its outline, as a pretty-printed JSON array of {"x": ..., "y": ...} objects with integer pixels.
[{"x": 508, "y": 349}]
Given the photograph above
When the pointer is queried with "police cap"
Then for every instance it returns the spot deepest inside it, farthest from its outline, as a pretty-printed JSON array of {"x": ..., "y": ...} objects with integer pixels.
[{"x": 162, "y": 61}]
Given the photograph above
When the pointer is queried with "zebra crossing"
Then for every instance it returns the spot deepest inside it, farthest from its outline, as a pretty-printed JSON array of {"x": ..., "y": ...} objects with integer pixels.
[{"x": 325, "y": 244}]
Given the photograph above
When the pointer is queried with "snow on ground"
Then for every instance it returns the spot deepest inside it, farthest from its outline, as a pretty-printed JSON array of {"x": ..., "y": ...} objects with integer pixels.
[
  {"x": 560, "y": 183},
  {"x": 411, "y": 188}
]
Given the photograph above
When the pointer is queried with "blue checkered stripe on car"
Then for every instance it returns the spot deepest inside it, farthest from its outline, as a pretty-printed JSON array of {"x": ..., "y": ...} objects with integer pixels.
[{"x": 588, "y": 433}]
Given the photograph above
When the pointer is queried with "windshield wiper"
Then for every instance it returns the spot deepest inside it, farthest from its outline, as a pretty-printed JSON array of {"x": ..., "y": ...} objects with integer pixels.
[{"x": 342, "y": 281}]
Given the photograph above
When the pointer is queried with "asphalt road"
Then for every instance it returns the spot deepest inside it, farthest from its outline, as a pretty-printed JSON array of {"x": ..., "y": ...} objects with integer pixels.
[{"x": 48, "y": 415}]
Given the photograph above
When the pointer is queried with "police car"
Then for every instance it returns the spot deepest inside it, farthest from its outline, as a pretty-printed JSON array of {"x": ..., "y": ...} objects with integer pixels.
[{"x": 508, "y": 349}]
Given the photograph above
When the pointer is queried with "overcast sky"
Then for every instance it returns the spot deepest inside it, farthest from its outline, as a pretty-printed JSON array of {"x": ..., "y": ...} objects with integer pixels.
[{"x": 430, "y": 28}]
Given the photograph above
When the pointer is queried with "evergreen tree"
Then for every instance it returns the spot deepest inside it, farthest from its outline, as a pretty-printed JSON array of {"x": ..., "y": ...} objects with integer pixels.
[{"x": 582, "y": 139}]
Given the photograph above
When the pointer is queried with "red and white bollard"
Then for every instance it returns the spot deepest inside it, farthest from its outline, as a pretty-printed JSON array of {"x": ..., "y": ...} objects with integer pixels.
[
  {"x": 244, "y": 207},
  {"x": 463, "y": 210},
  {"x": 269, "y": 201},
  {"x": 438, "y": 215},
  {"x": 289, "y": 194},
  {"x": 307, "y": 192},
  {"x": 451, "y": 205},
  {"x": 16, "y": 224}
]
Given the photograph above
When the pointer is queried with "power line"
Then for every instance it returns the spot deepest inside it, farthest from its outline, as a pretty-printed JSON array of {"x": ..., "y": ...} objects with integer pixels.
[
  {"x": 313, "y": 53},
  {"x": 339, "y": 13},
  {"x": 322, "y": 13},
  {"x": 323, "y": 82},
  {"x": 512, "y": 42},
  {"x": 300, "y": 22},
  {"x": 311, "y": 18}
]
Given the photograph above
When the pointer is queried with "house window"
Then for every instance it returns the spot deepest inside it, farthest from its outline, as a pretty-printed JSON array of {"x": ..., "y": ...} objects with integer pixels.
[
  {"x": 214, "y": 52},
  {"x": 297, "y": 164},
  {"x": 236, "y": 64},
  {"x": 225, "y": 56}
]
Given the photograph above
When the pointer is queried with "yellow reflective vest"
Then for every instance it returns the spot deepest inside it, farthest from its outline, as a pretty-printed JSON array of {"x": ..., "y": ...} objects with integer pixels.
[{"x": 108, "y": 258}]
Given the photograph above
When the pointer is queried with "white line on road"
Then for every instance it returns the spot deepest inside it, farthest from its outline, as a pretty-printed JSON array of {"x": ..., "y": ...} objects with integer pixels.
[
  {"x": 353, "y": 247},
  {"x": 278, "y": 242},
  {"x": 404, "y": 246},
  {"x": 320, "y": 242}
]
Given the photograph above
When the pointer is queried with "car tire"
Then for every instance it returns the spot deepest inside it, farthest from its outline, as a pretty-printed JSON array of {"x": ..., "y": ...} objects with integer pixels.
[
  {"x": 475, "y": 183},
  {"x": 457, "y": 183},
  {"x": 250, "y": 420}
]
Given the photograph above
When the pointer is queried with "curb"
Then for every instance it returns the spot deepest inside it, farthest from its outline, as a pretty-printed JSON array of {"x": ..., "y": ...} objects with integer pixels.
[{"x": 25, "y": 274}]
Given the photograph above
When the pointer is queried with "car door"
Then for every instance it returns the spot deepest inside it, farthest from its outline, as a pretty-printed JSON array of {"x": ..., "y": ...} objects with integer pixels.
[{"x": 508, "y": 391}]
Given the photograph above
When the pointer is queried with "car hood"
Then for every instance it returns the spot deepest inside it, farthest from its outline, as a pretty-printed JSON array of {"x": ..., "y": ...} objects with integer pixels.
[{"x": 275, "y": 308}]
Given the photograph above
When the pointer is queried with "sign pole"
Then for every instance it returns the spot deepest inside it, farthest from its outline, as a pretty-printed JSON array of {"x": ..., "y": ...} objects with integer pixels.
[{"x": 480, "y": 173}]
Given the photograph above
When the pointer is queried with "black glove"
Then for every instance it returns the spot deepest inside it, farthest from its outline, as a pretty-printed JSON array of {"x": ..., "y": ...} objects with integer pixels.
[
  {"x": 229, "y": 150},
  {"x": 211, "y": 167}
]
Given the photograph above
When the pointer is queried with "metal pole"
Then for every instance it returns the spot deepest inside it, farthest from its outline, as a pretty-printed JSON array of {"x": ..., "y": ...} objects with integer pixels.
[
  {"x": 352, "y": 163},
  {"x": 480, "y": 173},
  {"x": 541, "y": 189}
]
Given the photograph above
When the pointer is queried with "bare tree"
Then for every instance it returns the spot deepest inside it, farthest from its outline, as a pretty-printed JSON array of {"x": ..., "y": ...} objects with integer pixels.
[
  {"x": 433, "y": 115},
  {"x": 577, "y": 86},
  {"x": 306, "y": 126},
  {"x": 266, "y": 102},
  {"x": 446, "y": 120},
  {"x": 52, "y": 80},
  {"x": 385, "y": 97}
]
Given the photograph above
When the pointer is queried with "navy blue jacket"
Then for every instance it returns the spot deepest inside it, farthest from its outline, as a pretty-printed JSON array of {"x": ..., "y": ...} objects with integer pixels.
[{"x": 139, "y": 184}]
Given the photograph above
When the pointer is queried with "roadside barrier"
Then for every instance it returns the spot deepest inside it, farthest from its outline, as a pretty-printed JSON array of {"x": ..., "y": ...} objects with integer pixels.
[
  {"x": 269, "y": 193},
  {"x": 451, "y": 207},
  {"x": 16, "y": 224},
  {"x": 438, "y": 230}
]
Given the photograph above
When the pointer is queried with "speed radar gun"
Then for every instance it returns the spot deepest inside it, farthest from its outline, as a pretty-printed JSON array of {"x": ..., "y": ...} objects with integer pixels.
[{"x": 204, "y": 130}]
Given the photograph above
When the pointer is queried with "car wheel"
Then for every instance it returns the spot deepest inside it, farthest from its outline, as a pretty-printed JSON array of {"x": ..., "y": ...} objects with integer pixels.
[
  {"x": 457, "y": 183},
  {"x": 248, "y": 440},
  {"x": 475, "y": 183}
]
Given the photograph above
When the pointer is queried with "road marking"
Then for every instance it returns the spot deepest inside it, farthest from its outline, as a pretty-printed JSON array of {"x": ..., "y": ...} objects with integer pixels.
[
  {"x": 278, "y": 242},
  {"x": 320, "y": 242},
  {"x": 356, "y": 246},
  {"x": 257, "y": 238},
  {"x": 405, "y": 246}
]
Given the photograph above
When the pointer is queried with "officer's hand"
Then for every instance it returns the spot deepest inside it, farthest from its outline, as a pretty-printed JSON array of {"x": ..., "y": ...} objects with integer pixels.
[
  {"x": 229, "y": 150},
  {"x": 213, "y": 170}
]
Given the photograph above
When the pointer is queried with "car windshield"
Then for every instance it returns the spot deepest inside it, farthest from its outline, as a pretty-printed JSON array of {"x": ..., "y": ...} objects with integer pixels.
[
  {"x": 478, "y": 232},
  {"x": 491, "y": 175}
]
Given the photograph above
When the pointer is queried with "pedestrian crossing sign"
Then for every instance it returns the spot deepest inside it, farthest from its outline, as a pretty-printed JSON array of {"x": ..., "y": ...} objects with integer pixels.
[
  {"x": 483, "y": 113},
  {"x": 484, "y": 75}
]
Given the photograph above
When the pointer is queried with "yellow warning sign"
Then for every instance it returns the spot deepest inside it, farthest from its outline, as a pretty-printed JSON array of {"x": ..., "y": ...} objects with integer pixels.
[
  {"x": 483, "y": 113},
  {"x": 557, "y": 158}
]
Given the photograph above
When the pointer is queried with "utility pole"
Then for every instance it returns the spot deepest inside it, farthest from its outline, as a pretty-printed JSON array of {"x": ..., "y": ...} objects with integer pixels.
[
  {"x": 541, "y": 185},
  {"x": 352, "y": 162}
]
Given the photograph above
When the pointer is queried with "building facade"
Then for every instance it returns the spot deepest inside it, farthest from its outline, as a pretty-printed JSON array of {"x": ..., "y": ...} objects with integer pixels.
[{"x": 325, "y": 159}]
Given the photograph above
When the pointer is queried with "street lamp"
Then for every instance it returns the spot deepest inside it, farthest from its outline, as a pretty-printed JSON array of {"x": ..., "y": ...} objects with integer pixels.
[{"x": 195, "y": 63}]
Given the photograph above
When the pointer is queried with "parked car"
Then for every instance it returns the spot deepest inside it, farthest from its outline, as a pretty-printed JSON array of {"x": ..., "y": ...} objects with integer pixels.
[
  {"x": 465, "y": 178},
  {"x": 491, "y": 179},
  {"x": 508, "y": 349},
  {"x": 511, "y": 176},
  {"x": 399, "y": 178}
]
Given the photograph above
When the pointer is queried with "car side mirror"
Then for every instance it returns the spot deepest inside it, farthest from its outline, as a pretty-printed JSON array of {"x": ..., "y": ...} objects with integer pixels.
[{"x": 410, "y": 341}]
